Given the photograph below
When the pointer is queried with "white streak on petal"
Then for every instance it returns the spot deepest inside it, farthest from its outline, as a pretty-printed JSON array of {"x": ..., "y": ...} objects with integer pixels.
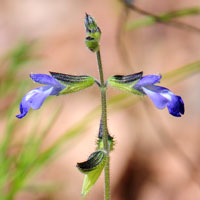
[
  {"x": 167, "y": 95},
  {"x": 30, "y": 94}
]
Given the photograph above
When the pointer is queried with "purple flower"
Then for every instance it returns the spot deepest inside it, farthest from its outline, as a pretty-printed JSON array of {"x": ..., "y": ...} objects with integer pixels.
[
  {"x": 35, "y": 98},
  {"x": 161, "y": 97}
]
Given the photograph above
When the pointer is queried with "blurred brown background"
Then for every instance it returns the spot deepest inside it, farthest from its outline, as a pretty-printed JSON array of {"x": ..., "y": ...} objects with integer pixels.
[{"x": 156, "y": 156}]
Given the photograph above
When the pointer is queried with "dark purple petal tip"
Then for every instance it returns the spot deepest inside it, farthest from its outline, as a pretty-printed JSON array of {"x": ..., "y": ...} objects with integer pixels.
[
  {"x": 176, "y": 107},
  {"x": 161, "y": 97}
]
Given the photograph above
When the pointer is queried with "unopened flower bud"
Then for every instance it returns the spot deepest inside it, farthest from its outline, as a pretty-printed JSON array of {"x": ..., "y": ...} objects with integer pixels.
[{"x": 93, "y": 32}]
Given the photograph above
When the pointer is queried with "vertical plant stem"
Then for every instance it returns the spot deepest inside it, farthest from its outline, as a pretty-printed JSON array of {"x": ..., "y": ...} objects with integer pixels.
[{"x": 104, "y": 127}]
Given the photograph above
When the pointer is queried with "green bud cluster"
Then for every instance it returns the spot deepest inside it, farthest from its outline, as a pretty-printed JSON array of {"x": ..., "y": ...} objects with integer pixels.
[{"x": 93, "y": 32}]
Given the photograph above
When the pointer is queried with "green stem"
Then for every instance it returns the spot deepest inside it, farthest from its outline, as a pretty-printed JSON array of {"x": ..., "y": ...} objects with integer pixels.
[
  {"x": 104, "y": 128},
  {"x": 100, "y": 68}
]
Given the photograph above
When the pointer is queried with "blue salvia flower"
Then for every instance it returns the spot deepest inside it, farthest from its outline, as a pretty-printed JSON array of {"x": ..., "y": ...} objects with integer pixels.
[
  {"x": 145, "y": 85},
  {"x": 161, "y": 96},
  {"x": 35, "y": 98},
  {"x": 55, "y": 84}
]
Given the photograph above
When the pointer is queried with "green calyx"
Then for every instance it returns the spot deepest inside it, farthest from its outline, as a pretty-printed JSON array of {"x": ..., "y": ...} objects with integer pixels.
[
  {"x": 92, "y": 169},
  {"x": 126, "y": 82},
  {"x": 111, "y": 143},
  {"x": 93, "y": 32},
  {"x": 94, "y": 161},
  {"x": 92, "y": 44},
  {"x": 73, "y": 83}
]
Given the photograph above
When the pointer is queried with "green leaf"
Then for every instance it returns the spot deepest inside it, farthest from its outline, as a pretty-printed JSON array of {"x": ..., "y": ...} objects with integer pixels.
[
  {"x": 90, "y": 179},
  {"x": 126, "y": 83},
  {"x": 73, "y": 83},
  {"x": 182, "y": 73},
  {"x": 92, "y": 169}
]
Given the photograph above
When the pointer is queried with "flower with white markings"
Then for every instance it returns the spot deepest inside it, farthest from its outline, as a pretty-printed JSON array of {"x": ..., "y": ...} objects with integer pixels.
[
  {"x": 145, "y": 85},
  {"x": 56, "y": 84},
  {"x": 161, "y": 96},
  {"x": 35, "y": 98}
]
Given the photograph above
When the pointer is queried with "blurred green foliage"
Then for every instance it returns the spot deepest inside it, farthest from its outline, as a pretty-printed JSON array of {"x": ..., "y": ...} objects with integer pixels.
[{"x": 168, "y": 17}]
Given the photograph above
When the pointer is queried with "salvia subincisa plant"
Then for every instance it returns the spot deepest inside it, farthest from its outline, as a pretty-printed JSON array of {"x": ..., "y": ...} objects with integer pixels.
[{"x": 138, "y": 84}]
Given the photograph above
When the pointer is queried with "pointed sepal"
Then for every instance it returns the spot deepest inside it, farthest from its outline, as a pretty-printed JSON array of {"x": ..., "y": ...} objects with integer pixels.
[
  {"x": 111, "y": 141},
  {"x": 92, "y": 169},
  {"x": 73, "y": 83},
  {"x": 126, "y": 82}
]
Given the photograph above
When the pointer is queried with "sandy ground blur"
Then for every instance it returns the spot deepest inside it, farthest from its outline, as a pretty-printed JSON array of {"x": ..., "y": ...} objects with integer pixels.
[{"x": 159, "y": 171}]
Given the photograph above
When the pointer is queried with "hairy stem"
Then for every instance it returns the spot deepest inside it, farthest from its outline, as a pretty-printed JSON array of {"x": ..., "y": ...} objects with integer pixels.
[{"x": 104, "y": 128}]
